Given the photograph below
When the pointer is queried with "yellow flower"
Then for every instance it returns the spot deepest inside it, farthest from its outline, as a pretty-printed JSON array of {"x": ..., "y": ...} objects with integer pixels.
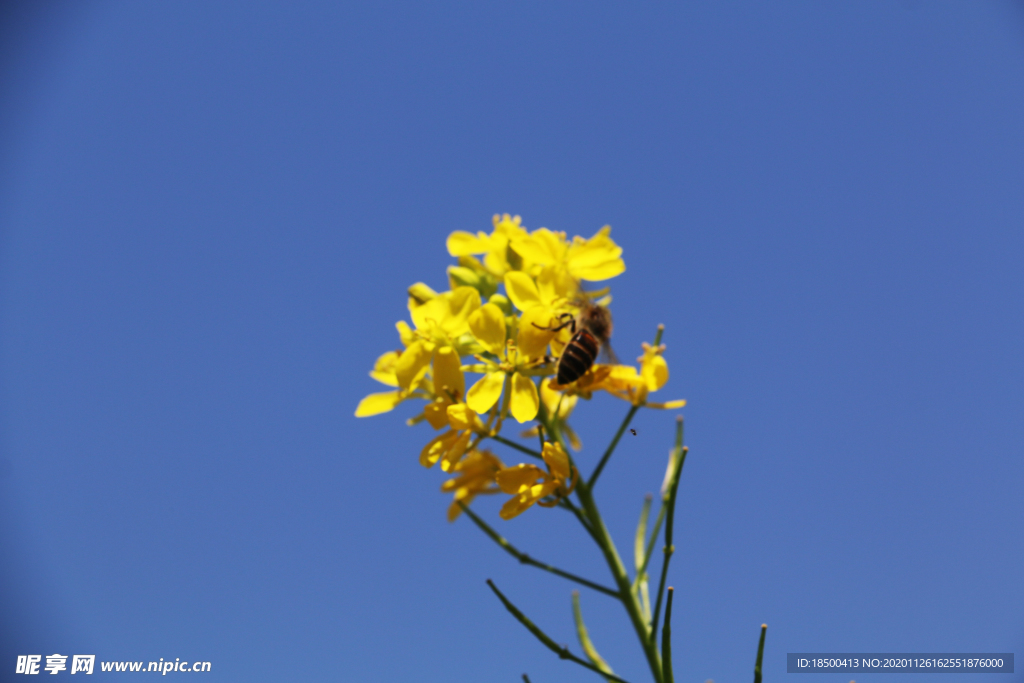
[
  {"x": 554, "y": 400},
  {"x": 494, "y": 246},
  {"x": 529, "y": 484},
  {"x": 594, "y": 259},
  {"x": 540, "y": 302},
  {"x": 429, "y": 365},
  {"x": 488, "y": 326},
  {"x": 449, "y": 386},
  {"x": 476, "y": 475},
  {"x": 653, "y": 368},
  {"x": 450, "y": 446},
  {"x": 384, "y": 401},
  {"x": 626, "y": 383},
  {"x": 442, "y": 317}
]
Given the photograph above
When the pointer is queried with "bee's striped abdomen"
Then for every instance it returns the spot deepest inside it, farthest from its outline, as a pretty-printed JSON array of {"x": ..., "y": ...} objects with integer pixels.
[{"x": 578, "y": 356}]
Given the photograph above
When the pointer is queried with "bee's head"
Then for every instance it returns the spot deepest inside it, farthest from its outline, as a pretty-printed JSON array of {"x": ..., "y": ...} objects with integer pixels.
[{"x": 598, "y": 320}]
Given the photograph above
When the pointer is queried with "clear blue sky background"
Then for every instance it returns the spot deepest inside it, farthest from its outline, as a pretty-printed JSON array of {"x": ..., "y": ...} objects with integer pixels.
[{"x": 210, "y": 213}]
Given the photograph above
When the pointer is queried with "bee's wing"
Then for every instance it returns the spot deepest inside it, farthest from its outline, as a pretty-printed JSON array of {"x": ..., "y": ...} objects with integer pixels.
[{"x": 609, "y": 353}]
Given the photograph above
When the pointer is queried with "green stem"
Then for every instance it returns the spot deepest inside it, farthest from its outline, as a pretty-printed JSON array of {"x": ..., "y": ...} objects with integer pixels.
[
  {"x": 559, "y": 650},
  {"x": 611, "y": 446},
  {"x": 584, "y": 637},
  {"x": 666, "y": 640},
  {"x": 629, "y": 599},
  {"x": 669, "y": 520},
  {"x": 522, "y": 449},
  {"x": 641, "y": 535},
  {"x": 657, "y": 335},
  {"x": 526, "y": 559},
  {"x": 600, "y": 534},
  {"x": 760, "y": 654},
  {"x": 650, "y": 544}
]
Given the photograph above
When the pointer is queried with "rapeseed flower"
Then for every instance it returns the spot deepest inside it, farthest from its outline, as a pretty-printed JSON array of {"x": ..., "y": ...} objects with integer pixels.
[
  {"x": 489, "y": 327},
  {"x": 507, "y": 292},
  {"x": 476, "y": 475},
  {"x": 529, "y": 484},
  {"x": 432, "y": 349}
]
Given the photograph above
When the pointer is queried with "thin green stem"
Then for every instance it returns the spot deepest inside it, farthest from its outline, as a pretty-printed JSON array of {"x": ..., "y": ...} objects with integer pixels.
[
  {"x": 595, "y": 526},
  {"x": 641, "y": 535},
  {"x": 559, "y": 650},
  {"x": 611, "y": 446},
  {"x": 669, "y": 520},
  {"x": 760, "y": 655},
  {"x": 629, "y": 599},
  {"x": 654, "y": 537},
  {"x": 657, "y": 335},
  {"x": 522, "y": 449},
  {"x": 666, "y": 640},
  {"x": 526, "y": 559},
  {"x": 584, "y": 637}
]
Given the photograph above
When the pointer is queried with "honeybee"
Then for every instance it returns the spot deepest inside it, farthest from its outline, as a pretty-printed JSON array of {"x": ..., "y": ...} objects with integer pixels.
[{"x": 591, "y": 331}]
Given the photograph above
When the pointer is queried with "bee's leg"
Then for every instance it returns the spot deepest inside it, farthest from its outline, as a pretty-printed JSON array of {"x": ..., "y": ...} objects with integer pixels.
[{"x": 570, "y": 321}]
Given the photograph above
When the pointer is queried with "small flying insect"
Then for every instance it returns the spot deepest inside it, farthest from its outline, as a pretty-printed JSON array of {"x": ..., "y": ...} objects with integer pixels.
[
  {"x": 591, "y": 331},
  {"x": 633, "y": 432}
]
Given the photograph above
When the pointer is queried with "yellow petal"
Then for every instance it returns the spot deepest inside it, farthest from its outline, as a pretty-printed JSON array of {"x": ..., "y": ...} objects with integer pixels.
[
  {"x": 521, "y": 290},
  {"x": 462, "y": 243},
  {"x": 412, "y": 364},
  {"x": 384, "y": 369},
  {"x": 541, "y": 246},
  {"x": 462, "y": 301},
  {"x": 448, "y": 380},
  {"x": 486, "y": 392},
  {"x": 654, "y": 370},
  {"x": 570, "y": 434},
  {"x": 533, "y": 341},
  {"x": 436, "y": 447},
  {"x": 487, "y": 324},
  {"x": 454, "y": 510},
  {"x": 557, "y": 460},
  {"x": 556, "y": 286},
  {"x": 461, "y": 416},
  {"x": 668, "y": 405},
  {"x": 508, "y": 226},
  {"x": 454, "y": 453},
  {"x": 515, "y": 506},
  {"x": 405, "y": 333},
  {"x": 421, "y": 293},
  {"x": 552, "y": 398},
  {"x": 595, "y": 259},
  {"x": 427, "y": 314},
  {"x": 525, "y": 402},
  {"x": 375, "y": 404},
  {"x": 436, "y": 413},
  {"x": 514, "y": 479}
]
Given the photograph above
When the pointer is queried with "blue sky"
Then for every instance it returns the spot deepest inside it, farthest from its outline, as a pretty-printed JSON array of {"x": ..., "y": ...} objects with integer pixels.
[{"x": 210, "y": 213}]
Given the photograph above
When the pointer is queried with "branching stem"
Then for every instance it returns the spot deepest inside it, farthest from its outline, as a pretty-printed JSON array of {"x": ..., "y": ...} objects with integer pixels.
[
  {"x": 560, "y": 650},
  {"x": 611, "y": 446},
  {"x": 526, "y": 559}
]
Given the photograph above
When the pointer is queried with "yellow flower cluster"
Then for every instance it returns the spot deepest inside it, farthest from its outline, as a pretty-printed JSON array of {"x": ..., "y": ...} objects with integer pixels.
[{"x": 511, "y": 336}]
